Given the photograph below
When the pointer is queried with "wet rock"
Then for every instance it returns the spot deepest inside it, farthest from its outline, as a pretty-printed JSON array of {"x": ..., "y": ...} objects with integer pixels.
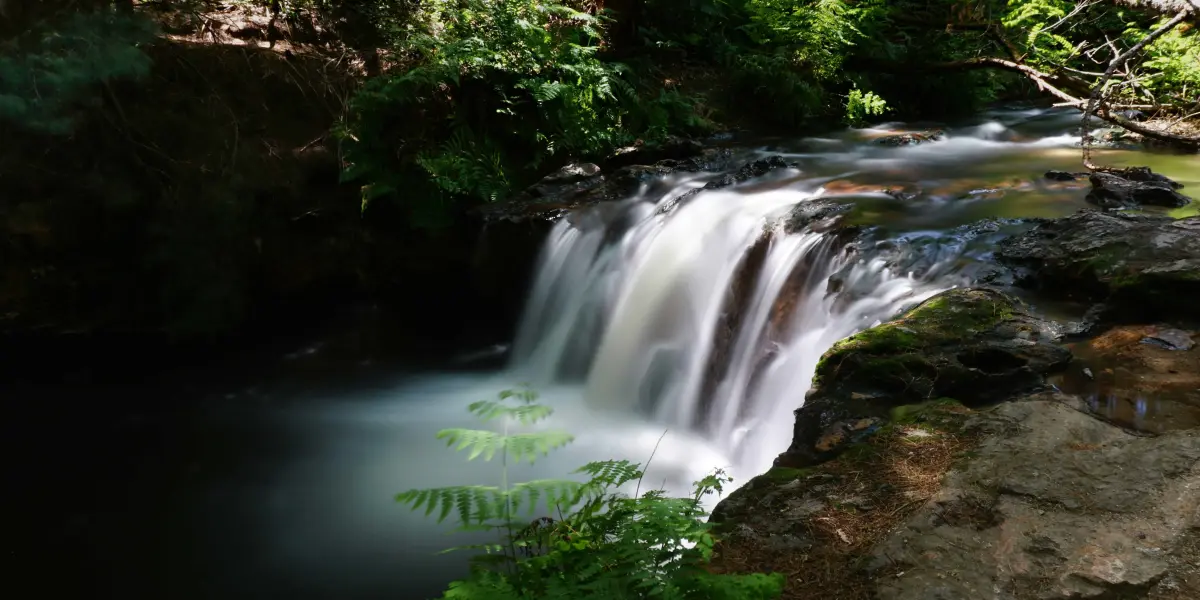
[
  {"x": 819, "y": 215},
  {"x": 1170, "y": 339},
  {"x": 628, "y": 179},
  {"x": 911, "y": 139},
  {"x": 975, "y": 345},
  {"x": 672, "y": 148},
  {"x": 1061, "y": 506},
  {"x": 1114, "y": 191},
  {"x": 566, "y": 184},
  {"x": 746, "y": 172},
  {"x": 1141, "y": 267}
]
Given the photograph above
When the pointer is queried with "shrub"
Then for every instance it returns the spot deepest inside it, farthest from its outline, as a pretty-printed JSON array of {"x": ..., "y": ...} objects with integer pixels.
[
  {"x": 603, "y": 543},
  {"x": 53, "y": 70},
  {"x": 491, "y": 91},
  {"x": 860, "y": 105}
]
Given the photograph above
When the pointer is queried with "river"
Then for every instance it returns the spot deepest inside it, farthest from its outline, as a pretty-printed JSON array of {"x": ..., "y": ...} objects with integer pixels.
[{"x": 272, "y": 476}]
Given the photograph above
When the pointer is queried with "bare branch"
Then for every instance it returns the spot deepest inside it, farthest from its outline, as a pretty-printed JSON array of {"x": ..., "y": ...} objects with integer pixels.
[{"x": 1118, "y": 62}]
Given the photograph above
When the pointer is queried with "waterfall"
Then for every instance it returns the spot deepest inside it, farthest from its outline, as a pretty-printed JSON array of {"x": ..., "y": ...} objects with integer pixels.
[{"x": 630, "y": 301}]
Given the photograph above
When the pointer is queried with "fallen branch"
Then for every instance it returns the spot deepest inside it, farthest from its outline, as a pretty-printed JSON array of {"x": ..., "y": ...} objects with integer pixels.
[
  {"x": 1099, "y": 88},
  {"x": 1038, "y": 77},
  {"x": 1162, "y": 136}
]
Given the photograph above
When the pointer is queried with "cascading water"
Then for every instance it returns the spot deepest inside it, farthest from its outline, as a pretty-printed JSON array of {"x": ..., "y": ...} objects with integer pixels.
[{"x": 630, "y": 297}]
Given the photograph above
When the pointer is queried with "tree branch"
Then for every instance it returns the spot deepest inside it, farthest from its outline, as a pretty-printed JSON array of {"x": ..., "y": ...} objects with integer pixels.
[{"x": 1118, "y": 62}]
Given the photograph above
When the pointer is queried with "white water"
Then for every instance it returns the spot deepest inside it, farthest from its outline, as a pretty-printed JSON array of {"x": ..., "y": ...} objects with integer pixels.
[{"x": 626, "y": 306}]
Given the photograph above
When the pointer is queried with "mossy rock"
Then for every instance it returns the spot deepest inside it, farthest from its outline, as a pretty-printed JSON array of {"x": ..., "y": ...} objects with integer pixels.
[
  {"x": 1140, "y": 266},
  {"x": 974, "y": 345}
]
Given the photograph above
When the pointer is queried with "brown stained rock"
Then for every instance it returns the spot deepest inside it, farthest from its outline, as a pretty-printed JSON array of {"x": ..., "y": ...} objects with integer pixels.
[{"x": 1075, "y": 508}]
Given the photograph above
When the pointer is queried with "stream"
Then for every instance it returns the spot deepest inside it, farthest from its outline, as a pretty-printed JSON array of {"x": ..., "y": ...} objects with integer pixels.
[{"x": 273, "y": 476}]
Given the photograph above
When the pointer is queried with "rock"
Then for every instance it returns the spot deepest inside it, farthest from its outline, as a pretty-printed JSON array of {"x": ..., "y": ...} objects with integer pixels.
[
  {"x": 566, "y": 184},
  {"x": 911, "y": 139},
  {"x": 1144, "y": 174},
  {"x": 1052, "y": 504},
  {"x": 818, "y": 215},
  {"x": 572, "y": 173},
  {"x": 975, "y": 345},
  {"x": 1132, "y": 115},
  {"x": 1170, "y": 339},
  {"x": 1141, "y": 267},
  {"x": 672, "y": 148},
  {"x": 746, "y": 172},
  {"x": 1113, "y": 191},
  {"x": 627, "y": 179}
]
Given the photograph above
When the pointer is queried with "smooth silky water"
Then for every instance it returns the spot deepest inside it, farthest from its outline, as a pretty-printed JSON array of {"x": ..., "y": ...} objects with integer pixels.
[{"x": 288, "y": 492}]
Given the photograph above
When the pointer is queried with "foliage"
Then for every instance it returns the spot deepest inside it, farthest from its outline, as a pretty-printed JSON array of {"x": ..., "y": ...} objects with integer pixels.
[
  {"x": 53, "y": 70},
  {"x": 860, "y": 105},
  {"x": 1176, "y": 59},
  {"x": 817, "y": 34},
  {"x": 497, "y": 89},
  {"x": 603, "y": 543}
]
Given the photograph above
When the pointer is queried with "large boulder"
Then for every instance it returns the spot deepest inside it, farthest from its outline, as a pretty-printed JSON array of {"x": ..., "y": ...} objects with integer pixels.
[
  {"x": 1026, "y": 500},
  {"x": 976, "y": 345},
  {"x": 1134, "y": 189},
  {"x": 1143, "y": 267},
  {"x": 1053, "y": 504}
]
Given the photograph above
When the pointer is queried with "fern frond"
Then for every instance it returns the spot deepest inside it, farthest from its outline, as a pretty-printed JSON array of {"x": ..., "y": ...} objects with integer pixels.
[
  {"x": 527, "y": 414},
  {"x": 611, "y": 473},
  {"x": 480, "y": 442},
  {"x": 526, "y": 447}
]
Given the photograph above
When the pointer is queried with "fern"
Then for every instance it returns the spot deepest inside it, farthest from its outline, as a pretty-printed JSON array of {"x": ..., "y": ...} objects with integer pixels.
[{"x": 601, "y": 543}]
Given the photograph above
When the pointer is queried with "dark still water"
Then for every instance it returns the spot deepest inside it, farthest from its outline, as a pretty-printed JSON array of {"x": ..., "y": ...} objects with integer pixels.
[
  {"x": 273, "y": 476},
  {"x": 207, "y": 485}
]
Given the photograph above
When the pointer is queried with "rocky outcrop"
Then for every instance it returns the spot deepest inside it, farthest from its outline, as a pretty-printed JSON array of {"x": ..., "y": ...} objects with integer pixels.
[
  {"x": 975, "y": 345},
  {"x": 1142, "y": 267},
  {"x": 1110, "y": 515},
  {"x": 1133, "y": 189},
  {"x": 1037, "y": 497},
  {"x": 1030, "y": 499}
]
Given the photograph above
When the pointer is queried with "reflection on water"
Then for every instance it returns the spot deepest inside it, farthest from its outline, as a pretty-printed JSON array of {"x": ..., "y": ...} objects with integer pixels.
[
  {"x": 1152, "y": 415},
  {"x": 1124, "y": 377}
]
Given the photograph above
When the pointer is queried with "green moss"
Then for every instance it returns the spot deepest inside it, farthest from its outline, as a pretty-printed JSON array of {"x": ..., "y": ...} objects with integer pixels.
[
  {"x": 784, "y": 474},
  {"x": 1105, "y": 259},
  {"x": 917, "y": 413},
  {"x": 946, "y": 318}
]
